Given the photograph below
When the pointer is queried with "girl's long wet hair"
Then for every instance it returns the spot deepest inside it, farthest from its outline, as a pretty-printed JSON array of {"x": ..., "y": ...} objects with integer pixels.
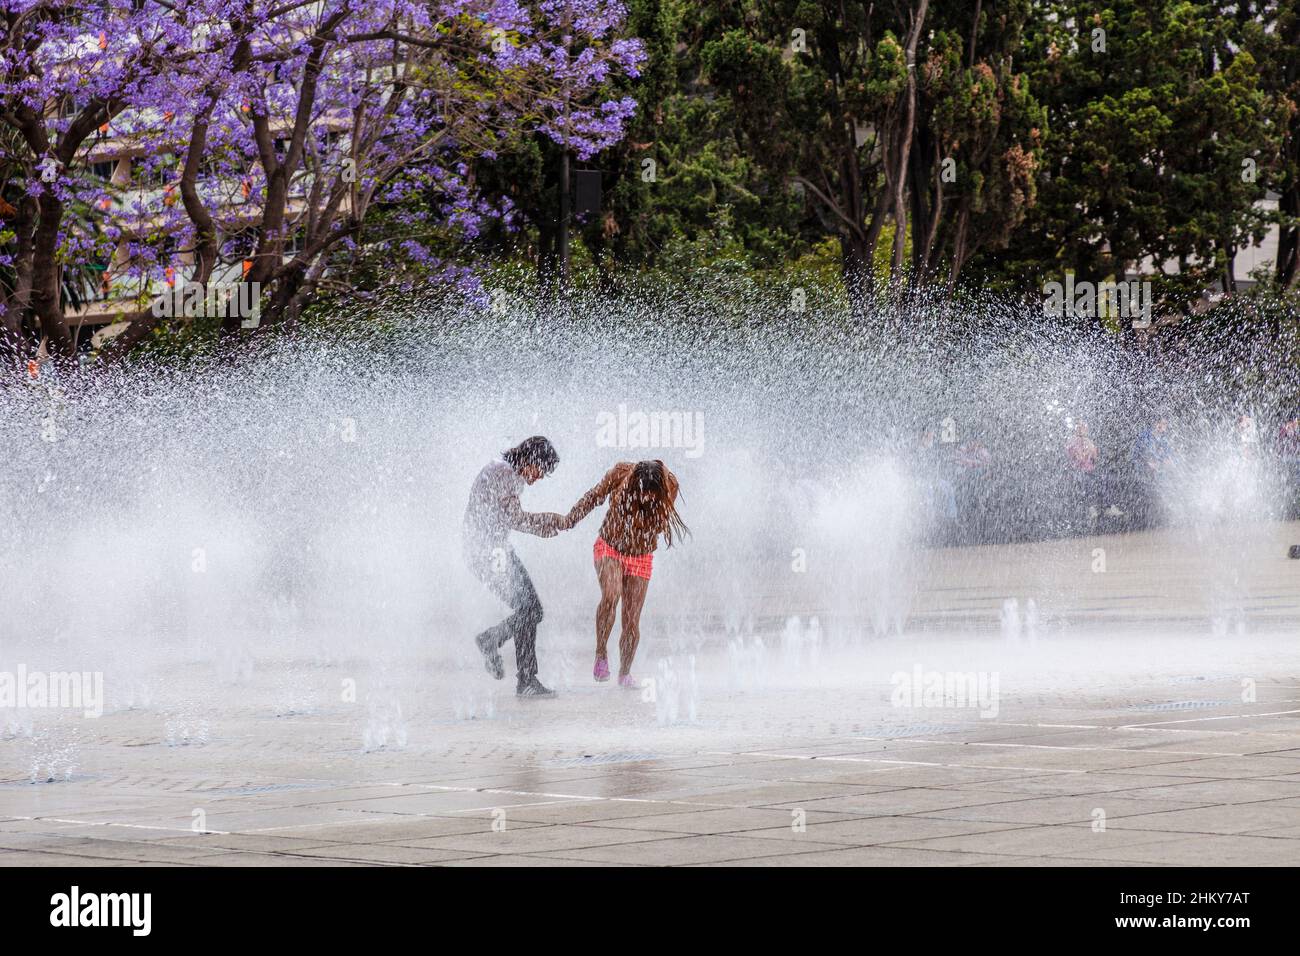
[{"x": 653, "y": 479}]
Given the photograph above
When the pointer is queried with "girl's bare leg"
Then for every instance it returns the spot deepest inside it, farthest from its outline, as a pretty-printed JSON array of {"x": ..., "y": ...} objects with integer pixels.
[
  {"x": 609, "y": 573},
  {"x": 634, "y": 590}
]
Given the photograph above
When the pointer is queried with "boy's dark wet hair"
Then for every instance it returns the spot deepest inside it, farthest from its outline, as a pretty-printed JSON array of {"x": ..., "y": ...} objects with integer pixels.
[{"x": 533, "y": 451}]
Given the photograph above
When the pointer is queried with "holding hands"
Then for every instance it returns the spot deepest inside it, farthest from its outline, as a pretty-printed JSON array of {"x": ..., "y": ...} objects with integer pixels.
[{"x": 556, "y": 523}]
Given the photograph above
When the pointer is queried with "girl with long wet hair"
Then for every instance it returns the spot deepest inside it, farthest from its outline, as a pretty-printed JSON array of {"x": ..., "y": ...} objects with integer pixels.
[{"x": 642, "y": 509}]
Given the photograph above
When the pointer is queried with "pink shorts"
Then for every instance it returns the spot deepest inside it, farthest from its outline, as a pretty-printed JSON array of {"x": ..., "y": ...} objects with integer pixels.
[{"x": 637, "y": 565}]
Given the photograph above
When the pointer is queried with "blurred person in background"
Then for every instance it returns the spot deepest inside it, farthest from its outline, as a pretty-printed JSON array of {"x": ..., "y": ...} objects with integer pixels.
[{"x": 1149, "y": 461}]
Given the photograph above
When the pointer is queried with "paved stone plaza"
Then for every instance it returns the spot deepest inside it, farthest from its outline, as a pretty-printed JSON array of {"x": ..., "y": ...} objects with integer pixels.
[{"x": 1143, "y": 733}]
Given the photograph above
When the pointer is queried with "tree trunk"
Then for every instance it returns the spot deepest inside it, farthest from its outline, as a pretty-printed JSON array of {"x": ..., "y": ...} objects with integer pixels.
[
  {"x": 959, "y": 251},
  {"x": 141, "y": 324},
  {"x": 45, "y": 278},
  {"x": 874, "y": 228},
  {"x": 904, "y": 143},
  {"x": 1288, "y": 244},
  {"x": 926, "y": 219},
  {"x": 855, "y": 263},
  {"x": 268, "y": 257}
]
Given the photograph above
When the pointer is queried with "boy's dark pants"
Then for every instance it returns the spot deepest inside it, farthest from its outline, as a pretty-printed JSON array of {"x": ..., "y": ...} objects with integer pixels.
[{"x": 504, "y": 575}]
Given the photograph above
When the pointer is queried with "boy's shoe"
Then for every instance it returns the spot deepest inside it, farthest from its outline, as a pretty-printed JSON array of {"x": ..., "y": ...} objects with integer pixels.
[
  {"x": 601, "y": 670},
  {"x": 491, "y": 655},
  {"x": 628, "y": 681},
  {"x": 533, "y": 688}
]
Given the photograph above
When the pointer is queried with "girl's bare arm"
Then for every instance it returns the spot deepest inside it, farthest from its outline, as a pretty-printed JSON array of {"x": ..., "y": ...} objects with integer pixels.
[{"x": 597, "y": 494}]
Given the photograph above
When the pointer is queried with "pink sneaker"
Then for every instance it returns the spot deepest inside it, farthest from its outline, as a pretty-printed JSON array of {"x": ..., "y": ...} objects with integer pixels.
[
  {"x": 601, "y": 670},
  {"x": 628, "y": 681}
]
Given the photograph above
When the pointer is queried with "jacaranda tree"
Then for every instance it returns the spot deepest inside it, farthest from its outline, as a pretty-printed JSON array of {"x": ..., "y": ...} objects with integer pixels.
[{"x": 158, "y": 142}]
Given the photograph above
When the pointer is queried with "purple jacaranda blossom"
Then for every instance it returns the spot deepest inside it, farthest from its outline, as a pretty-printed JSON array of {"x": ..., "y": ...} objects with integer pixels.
[{"x": 184, "y": 136}]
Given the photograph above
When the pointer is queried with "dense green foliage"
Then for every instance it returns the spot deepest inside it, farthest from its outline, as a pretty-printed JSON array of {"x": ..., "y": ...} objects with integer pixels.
[{"x": 1038, "y": 138}]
